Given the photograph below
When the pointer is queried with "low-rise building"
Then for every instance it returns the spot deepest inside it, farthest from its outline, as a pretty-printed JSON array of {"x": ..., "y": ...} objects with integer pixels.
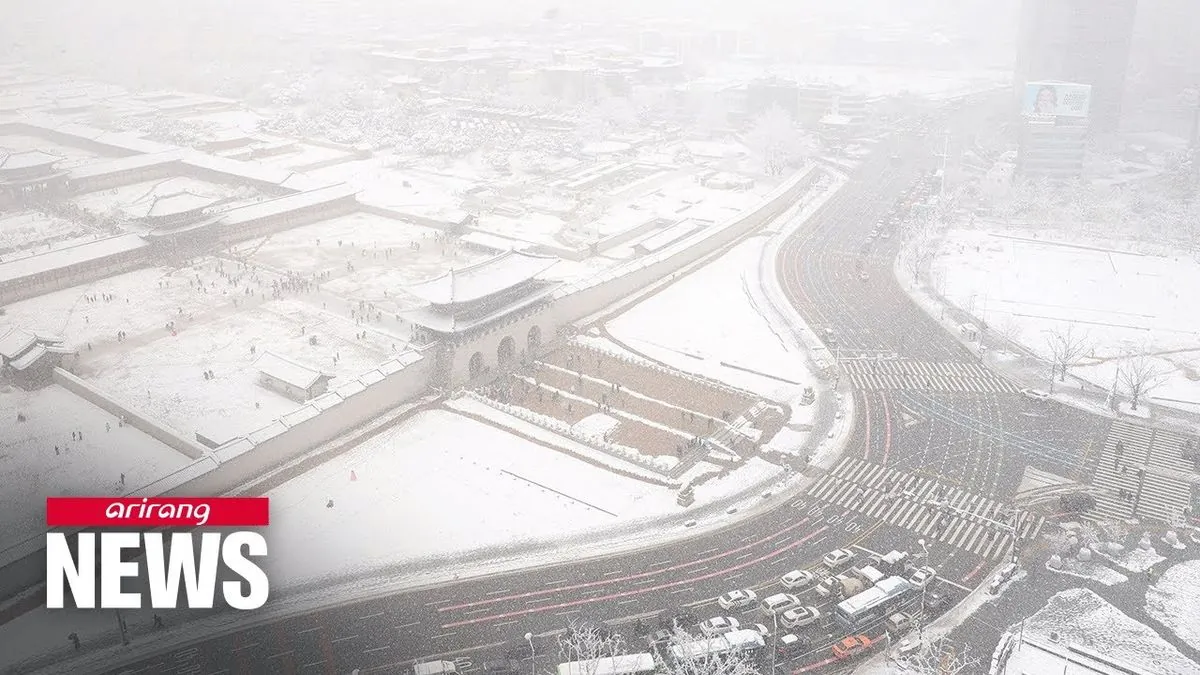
[{"x": 290, "y": 378}]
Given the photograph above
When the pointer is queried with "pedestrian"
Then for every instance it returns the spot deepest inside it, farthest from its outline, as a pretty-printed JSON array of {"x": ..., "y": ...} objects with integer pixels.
[
  {"x": 74, "y": 638},
  {"x": 158, "y": 622},
  {"x": 329, "y": 504},
  {"x": 122, "y": 480},
  {"x": 56, "y": 451}
]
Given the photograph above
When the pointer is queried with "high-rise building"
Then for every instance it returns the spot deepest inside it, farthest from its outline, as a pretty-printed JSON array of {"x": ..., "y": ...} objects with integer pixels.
[{"x": 1084, "y": 41}]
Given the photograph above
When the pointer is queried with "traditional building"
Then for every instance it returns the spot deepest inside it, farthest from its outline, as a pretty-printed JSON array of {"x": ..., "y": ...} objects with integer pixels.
[
  {"x": 28, "y": 177},
  {"x": 463, "y": 303},
  {"x": 294, "y": 380},
  {"x": 65, "y": 267},
  {"x": 28, "y": 359}
]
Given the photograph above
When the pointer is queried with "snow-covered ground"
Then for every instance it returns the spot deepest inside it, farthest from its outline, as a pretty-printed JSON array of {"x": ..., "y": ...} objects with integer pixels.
[
  {"x": 305, "y": 154},
  {"x": 155, "y": 379},
  {"x": 1025, "y": 285},
  {"x": 33, "y": 232},
  {"x": 1173, "y": 601},
  {"x": 400, "y": 183},
  {"x": 1091, "y": 569},
  {"x": 31, "y": 469},
  {"x": 530, "y": 493},
  {"x": 1082, "y": 618},
  {"x": 707, "y": 323}
]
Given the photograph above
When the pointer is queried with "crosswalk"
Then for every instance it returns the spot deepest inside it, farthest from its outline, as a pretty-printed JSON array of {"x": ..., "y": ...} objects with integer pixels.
[
  {"x": 1147, "y": 479},
  {"x": 968, "y": 521},
  {"x": 891, "y": 374}
]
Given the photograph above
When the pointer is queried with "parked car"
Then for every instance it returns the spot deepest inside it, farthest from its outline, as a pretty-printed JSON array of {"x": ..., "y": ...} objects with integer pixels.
[
  {"x": 800, "y": 617},
  {"x": 762, "y": 630},
  {"x": 502, "y": 667},
  {"x": 737, "y": 599},
  {"x": 798, "y": 579},
  {"x": 1035, "y": 394},
  {"x": 922, "y": 576},
  {"x": 851, "y": 647},
  {"x": 838, "y": 558},
  {"x": 659, "y": 638},
  {"x": 898, "y": 623},
  {"x": 791, "y": 645},
  {"x": 935, "y": 600},
  {"x": 829, "y": 587},
  {"x": 779, "y": 603},
  {"x": 719, "y": 625}
]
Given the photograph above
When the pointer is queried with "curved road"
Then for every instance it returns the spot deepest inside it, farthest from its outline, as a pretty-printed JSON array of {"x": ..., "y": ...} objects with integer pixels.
[{"x": 972, "y": 443}]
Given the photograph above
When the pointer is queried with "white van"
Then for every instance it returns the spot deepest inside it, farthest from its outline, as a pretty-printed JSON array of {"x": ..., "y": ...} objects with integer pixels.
[{"x": 435, "y": 668}]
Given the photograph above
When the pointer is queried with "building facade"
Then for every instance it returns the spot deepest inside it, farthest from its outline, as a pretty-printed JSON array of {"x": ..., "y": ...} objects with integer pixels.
[{"x": 1085, "y": 41}]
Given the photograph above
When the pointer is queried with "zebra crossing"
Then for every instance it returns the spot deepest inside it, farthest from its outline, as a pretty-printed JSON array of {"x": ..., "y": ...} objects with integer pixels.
[
  {"x": 892, "y": 374},
  {"x": 966, "y": 520},
  {"x": 1147, "y": 479}
]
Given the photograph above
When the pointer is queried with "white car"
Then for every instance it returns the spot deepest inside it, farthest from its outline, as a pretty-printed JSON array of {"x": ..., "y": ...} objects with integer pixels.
[
  {"x": 828, "y": 587},
  {"x": 762, "y": 630},
  {"x": 797, "y": 579},
  {"x": 780, "y": 602},
  {"x": 737, "y": 599},
  {"x": 922, "y": 576},
  {"x": 1035, "y": 395},
  {"x": 800, "y": 617},
  {"x": 719, "y": 625},
  {"x": 838, "y": 558}
]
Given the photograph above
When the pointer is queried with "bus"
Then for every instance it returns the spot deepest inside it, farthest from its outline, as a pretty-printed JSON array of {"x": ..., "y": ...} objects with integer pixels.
[
  {"x": 626, "y": 664},
  {"x": 748, "y": 642},
  {"x": 873, "y": 604}
]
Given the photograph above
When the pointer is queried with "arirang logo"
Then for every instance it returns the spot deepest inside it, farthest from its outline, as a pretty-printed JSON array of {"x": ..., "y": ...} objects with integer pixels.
[{"x": 169, "y": 559}]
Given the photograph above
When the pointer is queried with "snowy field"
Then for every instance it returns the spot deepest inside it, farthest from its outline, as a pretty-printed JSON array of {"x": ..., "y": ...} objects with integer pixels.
[
  {"x": 153, "y": 377},
  {"x": 30, "y": 470},
  {"x": 529, "y": 492},
  {"x": 129, "y": 196},
  {"x": 1124, "y": 301},
  {"x": 72, "y": 156},
  {"x": 707, "y": 323},
  {"x": 401, "y": 183},
  {"x": 1173, "y": 601},
  {"x": 33, "y": 232},
  {"x": 1083, "y": 618}
]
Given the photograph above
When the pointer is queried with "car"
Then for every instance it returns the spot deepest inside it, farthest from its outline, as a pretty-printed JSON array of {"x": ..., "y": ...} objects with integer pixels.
[
  {"x": 899, "y": 623},
  {"x": 838, "y": 558},
  {"x": 829, "y": 587},
  {"x": 502, "y": 667},
  {"x": 780, "y": 602},
  {"x": 798, "y": 579},
  {"x": 800, "y": 617},
  {"x": 761, "y": 629},
  {"x": 659, "y": 638},
  {"x": 935, "y": 600},
  {"x": 863, "y": 276},
  {"x": 737, "y": 599},
  {"x": 885, "y": 235},
  {"x": 719, "y": 625},
  {"x": 851, "y": 647},
  {"x": 922, "y": 576},
  {"x": 1035, "y": 394},
  {"x": 791, "y": 645}
]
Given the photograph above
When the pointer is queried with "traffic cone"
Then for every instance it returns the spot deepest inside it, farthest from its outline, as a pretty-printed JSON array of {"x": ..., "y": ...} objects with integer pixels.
[{"x": 353, "y": 476}]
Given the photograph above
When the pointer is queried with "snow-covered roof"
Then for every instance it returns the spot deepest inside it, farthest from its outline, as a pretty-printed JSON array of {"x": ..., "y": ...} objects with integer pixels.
[
  {"x": 288, "y": 371},
  {"x": 15, "y": 342},
  {"x": 130, "y": 163},
  {"x": 493, "y": 242},
  {"x": 482, "y": 279},
  {"x": 156, "y": 206},
  {"x": 300, "y": 200},
  {"x": 29, "y": 159},
  {"x": 668, "y": 236},
  {"x": 65, "y": 257},
  {"x": 28, "y": 358},
  {"x": 248, "y": 170}
]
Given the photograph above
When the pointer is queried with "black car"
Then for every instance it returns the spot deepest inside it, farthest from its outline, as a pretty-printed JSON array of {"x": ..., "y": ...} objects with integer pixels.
[
  {"x": 501, "y": 667},
  {"x": 936, "y": 600},
  {"x": 519, "y": 650},
  {"x": 680, "y": 619}
]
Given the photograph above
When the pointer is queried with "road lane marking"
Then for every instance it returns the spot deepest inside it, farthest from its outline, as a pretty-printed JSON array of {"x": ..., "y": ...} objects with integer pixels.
[
  {"x": 639, "y": 575},
  {"x": 409, "y": 625},
  {"x": 443, "y": 635},
  {"x": 614, "y": 596},
  {"x": 275, "y": 656},
  {"x": 560, "y": 581},
  {"x": 307, "y": 630},
  {"x": 609, "y": 574},
  {"x": 343, "y": 639},
  {"x": 314, "y": 663},
  {"x": 680, "y": 590},
  {"x": 376, "y": 649},
  {"x": 370, "y": 616},
  {"x": 252, "y": 644},
  {"x": 502, "y": 591}
]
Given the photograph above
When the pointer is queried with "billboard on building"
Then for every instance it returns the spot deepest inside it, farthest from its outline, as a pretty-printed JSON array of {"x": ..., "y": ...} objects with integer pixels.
[{"x": 1057, "y": 99}]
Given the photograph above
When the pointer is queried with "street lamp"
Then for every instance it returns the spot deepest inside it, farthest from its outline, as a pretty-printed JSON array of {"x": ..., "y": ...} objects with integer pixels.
[
  {"x": 532, "y": 654},
  {"x": 775, "y": 640},
  {"x": 921, "y": 618}
]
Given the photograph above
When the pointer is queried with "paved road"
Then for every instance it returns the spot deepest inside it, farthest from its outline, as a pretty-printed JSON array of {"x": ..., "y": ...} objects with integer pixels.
[{"x": 965, "y": 445}]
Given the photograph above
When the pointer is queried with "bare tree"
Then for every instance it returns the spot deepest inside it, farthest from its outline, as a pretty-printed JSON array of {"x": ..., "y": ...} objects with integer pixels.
[
  {"x": 585, "y": 641},
  {"x": 1139, "y": 375},
  {"x": 682, "y": 660},
  {"x": 1066, "y": 348},
  {"x": 775, "y": 139},
  {"x": 938, "y": 656},
  {"x": 921, "y": 255}
]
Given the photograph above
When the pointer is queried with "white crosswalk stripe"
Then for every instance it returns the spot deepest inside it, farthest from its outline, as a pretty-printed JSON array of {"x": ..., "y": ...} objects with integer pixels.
[
  {"x": 901, "y": 499},
  {"x": 894, "y": 374}
]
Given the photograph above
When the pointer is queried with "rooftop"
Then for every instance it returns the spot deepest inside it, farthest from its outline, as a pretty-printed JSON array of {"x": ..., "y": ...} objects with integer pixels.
[
  {"x": 288, "y": 371},
  {"x": 482, "y": 279},
  {"x": 162, "y": 206},
  {"x": 65, "y": 257},
  {"x": 29, "y": 159}
]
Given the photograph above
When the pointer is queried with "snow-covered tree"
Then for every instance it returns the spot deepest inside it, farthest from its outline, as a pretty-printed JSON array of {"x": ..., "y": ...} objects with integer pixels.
[
  {"x": 1066, "y": 347},
  {"x": 775, "y": 139},
  {"x": 918, "y": 258},
  {"x": 688, "y": 663},
  {"x": 938, "y": 656},
  {"x": 1138, "y": 375},
  {"x": 584, "y": 641}
]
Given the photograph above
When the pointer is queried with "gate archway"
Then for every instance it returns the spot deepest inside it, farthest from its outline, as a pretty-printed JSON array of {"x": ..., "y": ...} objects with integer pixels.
[
  {"x": 534, "y": 340},
  {"x": 506, "y": 353},
  {"x": 475, "y": 366}
]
